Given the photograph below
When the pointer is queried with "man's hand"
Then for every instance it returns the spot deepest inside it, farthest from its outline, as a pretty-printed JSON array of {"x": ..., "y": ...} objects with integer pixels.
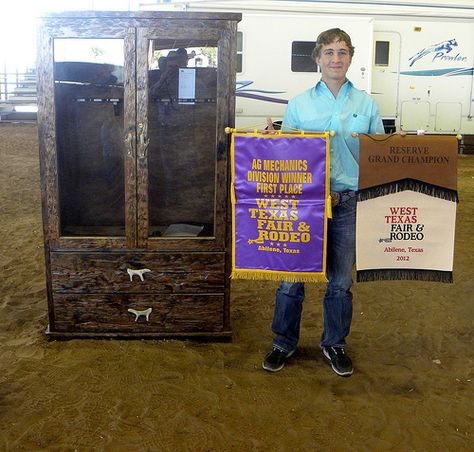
[
  {"x": 335, "y": 199},
  {"x": 270, "y": 128}
]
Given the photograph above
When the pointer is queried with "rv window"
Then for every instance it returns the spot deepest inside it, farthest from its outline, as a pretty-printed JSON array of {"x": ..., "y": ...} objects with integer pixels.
[
  {"x": 382, "y": 50},
  {"x": 301, "y": 60},
  {"x": 240, "y": 48}
]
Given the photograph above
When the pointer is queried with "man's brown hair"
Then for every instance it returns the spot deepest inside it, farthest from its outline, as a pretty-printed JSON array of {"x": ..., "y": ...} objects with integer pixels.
[{"x": 329, "y": 36}]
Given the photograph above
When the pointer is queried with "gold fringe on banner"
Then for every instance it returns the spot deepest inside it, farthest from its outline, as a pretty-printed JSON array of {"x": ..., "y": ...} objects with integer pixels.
[{"x": 270, "y": 275}]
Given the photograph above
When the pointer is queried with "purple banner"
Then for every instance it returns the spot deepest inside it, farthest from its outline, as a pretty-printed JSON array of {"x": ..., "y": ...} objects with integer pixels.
[{"x": 280, "y": 201}]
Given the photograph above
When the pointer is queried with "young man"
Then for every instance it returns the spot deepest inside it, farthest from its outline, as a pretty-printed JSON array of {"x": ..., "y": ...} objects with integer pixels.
[{"x": 333, "y": 104}]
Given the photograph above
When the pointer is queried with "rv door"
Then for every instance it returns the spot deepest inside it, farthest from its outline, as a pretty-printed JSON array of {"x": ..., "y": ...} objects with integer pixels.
[{"x": 386, "y": 72}]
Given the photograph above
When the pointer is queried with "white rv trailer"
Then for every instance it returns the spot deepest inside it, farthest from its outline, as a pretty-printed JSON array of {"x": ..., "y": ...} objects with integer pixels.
[{"x": 415, "y": 58}]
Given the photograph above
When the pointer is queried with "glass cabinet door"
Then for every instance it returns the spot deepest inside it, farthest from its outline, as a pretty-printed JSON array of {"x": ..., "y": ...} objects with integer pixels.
[
  {"x": 177, "y": 120},
  {"x": 89, "y": 105}
]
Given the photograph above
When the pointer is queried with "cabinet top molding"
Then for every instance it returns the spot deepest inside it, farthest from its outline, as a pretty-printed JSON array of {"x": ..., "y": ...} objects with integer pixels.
[{"x": 142, "y": 15}]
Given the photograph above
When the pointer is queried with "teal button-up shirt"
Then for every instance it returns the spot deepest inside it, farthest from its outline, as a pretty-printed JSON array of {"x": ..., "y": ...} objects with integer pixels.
[{"x": 351, "y": 111}]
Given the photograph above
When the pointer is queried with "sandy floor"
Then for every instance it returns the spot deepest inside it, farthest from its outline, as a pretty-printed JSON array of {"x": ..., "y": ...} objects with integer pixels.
[{"x": 411, "y": 343}]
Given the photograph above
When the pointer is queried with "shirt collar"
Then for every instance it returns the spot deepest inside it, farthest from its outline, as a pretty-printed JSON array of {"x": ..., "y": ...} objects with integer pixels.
[{"x": 322, "y": 88}]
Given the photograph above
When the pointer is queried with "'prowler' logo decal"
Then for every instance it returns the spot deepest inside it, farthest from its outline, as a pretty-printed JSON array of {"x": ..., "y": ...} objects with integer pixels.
[{"x": 438, "y": 49}]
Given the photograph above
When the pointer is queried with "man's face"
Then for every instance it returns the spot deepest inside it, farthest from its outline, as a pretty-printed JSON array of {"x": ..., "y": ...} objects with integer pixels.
[{"x": 334, "y": 61}]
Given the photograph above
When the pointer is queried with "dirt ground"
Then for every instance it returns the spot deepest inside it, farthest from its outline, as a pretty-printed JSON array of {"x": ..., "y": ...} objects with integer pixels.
[{"x": 411, "y": 343}]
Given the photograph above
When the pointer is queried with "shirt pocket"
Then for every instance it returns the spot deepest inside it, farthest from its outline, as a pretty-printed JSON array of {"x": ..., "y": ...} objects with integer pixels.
[{"x": 359, "y": 123}]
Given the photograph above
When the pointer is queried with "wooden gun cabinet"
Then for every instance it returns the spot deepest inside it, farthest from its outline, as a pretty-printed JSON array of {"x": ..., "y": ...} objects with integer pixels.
[{"x": 132, "y": 109}]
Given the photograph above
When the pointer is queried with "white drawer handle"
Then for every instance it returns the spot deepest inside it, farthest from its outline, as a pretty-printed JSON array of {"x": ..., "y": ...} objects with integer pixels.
[
  {"x": 139, "y": 272},
  {"x": 146, "y": 313}
]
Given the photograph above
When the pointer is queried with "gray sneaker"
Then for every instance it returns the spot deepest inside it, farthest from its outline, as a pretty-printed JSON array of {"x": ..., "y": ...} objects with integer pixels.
[
  {"x": 275, "y": 360},
  {"x": 340, "y": 362}
]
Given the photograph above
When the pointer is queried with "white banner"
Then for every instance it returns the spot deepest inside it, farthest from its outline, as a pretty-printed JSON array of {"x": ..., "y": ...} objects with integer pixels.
[{"x": 405, "y": 230}]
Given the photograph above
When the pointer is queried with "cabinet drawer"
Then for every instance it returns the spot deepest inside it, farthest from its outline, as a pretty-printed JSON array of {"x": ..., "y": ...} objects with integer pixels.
[
  {"x": 117, "y": 272},
  {"x": 138, "y": 313}
]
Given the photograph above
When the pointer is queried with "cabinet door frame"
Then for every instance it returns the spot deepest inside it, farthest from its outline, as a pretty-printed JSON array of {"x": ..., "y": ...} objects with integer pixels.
[
  {"x": 221, "y": 32},
  {"x": 57, "y": 28}
]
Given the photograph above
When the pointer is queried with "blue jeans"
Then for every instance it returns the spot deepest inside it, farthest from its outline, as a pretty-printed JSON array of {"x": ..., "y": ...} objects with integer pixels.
[{"x": 337, "y": 300}]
